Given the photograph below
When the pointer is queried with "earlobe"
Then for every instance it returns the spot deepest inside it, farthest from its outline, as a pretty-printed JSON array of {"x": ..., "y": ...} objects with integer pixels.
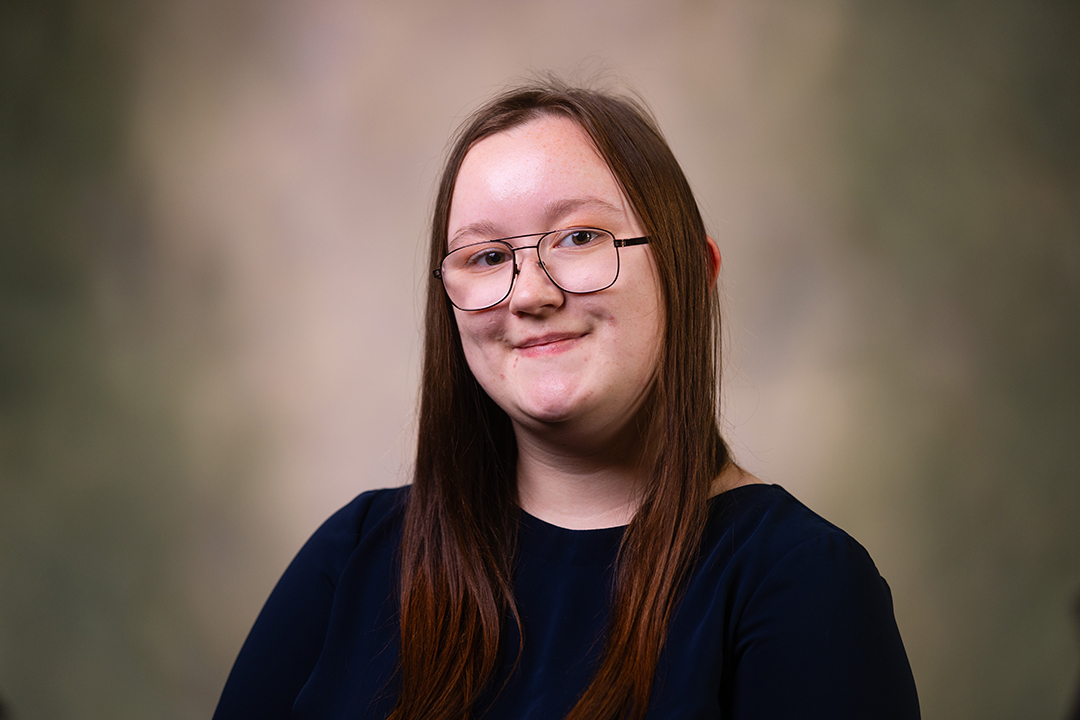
[{"x": 714, "y": 260}]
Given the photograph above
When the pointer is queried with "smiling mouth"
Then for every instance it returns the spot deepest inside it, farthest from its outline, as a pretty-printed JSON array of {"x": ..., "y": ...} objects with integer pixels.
[{"x": 549, "y": 342}]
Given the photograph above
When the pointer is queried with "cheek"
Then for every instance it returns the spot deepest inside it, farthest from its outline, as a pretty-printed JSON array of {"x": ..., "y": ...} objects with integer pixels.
[
  {"x": 479, "y": 339},
  {"x": 647, "y": 345},
  {"x": 647, "y": 313},
  {"x": 648, "y": 341}
]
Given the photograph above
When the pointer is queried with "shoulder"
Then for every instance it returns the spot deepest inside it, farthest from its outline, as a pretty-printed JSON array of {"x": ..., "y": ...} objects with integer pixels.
[
  {"x": 364, "y": 513},
  {"x": 803, "y": 601},
  {"x": 290, "y": 633},
  {"x": 374, "y": 517},
  {"x": 766, "y": 525},
  {"x": 772, "y": 557}
]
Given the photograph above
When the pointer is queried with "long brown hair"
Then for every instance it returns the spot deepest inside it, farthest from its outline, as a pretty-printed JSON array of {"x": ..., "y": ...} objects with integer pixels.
[{"x": 461, "y": 521}]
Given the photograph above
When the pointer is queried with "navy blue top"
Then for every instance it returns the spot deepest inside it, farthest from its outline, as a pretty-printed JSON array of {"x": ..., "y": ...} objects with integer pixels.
[{"x": 783, "y": 616}]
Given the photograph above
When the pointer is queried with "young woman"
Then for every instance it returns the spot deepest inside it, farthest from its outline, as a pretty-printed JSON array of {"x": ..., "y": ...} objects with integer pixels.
[{"x": 576, "y": 542}]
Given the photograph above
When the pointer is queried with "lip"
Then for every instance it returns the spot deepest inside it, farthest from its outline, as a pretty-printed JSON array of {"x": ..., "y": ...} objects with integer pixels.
[{"x": 551, "y": 342}]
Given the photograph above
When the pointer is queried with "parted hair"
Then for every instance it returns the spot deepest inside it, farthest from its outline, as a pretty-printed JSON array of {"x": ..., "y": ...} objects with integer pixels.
[{"x": 462, "y": 517}]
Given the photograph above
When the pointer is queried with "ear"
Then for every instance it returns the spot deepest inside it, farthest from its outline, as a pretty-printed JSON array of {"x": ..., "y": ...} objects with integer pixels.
[{"x": 714, "y": 260}]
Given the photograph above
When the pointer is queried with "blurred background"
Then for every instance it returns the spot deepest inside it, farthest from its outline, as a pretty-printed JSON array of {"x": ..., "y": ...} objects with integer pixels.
[{"x": 212, "y": 216}]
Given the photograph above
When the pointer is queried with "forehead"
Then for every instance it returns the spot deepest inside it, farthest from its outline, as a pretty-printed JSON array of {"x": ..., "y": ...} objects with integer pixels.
[{"x": 532, "y": 177}]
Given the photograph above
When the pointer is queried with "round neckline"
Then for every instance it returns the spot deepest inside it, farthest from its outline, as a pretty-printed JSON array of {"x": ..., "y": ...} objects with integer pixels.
[
  {"x": 713, "y": 500},
  {"x": 539, "y": 540}
]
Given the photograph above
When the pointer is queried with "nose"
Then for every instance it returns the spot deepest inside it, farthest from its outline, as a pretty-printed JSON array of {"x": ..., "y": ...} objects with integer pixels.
[{"x": 533, "y": 292}]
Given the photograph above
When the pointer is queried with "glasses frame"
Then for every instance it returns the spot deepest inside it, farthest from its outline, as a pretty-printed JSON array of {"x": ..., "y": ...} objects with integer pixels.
[{"x": 626, "y": 242}]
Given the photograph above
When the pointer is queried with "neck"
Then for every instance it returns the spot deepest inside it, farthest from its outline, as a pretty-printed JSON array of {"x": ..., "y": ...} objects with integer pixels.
[
  {"x": 585, "y": 485},
  {"x": 581, "y": 486}
]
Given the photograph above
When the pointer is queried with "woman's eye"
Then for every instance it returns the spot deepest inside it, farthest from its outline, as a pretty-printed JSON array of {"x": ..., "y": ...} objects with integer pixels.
[
  {"x": 488, "y": 258},
  {"x": 579, "y": 238}
]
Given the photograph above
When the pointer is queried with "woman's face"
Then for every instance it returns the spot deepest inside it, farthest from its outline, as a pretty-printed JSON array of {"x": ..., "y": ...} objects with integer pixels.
[{"x": 547, "y": 357}]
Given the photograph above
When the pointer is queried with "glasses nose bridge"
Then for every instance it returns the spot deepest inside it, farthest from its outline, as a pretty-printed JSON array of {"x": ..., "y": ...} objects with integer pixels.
[
  {"x": 539, "y": 262},
  {"x": 539, "y": 259}
]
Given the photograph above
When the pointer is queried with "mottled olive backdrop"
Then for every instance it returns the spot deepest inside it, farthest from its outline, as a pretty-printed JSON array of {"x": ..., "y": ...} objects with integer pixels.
[{"x": 211, "y": 221}]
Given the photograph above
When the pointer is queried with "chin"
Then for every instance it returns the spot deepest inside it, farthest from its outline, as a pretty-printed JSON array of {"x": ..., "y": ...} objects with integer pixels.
[
  {"x": 548, "y": 414},
  {"x": 552, "y": 402},
  {"x": 548, "y": 411}
]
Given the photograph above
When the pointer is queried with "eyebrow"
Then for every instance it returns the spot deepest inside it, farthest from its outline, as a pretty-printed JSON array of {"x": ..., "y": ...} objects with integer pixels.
[
  {"x": 553, "y": 213},
  {"x": 561, "y": 208},
  {"x": 483, "y": 229}
]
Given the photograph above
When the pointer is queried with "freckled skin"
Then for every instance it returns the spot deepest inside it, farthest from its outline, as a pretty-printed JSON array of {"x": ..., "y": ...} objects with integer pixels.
[{"x": 587, "y": 385}]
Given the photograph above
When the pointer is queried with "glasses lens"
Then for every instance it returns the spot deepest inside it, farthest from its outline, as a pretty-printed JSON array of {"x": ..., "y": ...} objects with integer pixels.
[
  {"x": 479, "y": 275},
  {"x": 580, "y": 260}
]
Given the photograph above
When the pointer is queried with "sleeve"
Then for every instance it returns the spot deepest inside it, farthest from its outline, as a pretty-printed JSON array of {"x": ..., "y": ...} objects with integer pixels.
[
  {"x": 818, "y": 640},
  {"x": 285, "y": 643}
]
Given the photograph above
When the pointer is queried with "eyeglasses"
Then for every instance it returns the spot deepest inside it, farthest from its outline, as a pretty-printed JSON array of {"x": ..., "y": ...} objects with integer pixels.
[{"x": 577, "y": 260}]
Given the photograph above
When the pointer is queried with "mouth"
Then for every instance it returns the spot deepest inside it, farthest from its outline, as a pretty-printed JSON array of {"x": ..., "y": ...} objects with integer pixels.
[{"x": 552, "y": 342}]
